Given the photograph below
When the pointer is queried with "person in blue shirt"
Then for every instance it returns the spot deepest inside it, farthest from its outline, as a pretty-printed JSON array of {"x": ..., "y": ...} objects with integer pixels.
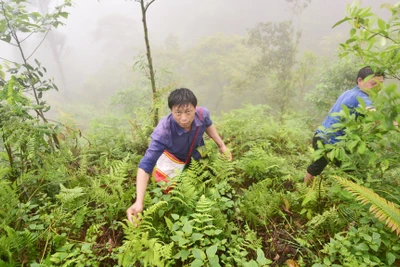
[
  {"x": 367, "y": 80},
  {"x": 175, "y": 134}
]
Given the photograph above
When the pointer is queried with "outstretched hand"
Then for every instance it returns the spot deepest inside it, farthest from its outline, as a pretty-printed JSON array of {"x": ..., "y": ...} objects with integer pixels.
[
  {"x": 133, "y": 211},
  {"x": 225, "y": 151}
]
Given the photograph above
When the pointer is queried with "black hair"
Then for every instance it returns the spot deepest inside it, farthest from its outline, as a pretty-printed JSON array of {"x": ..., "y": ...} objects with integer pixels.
[
  {"x": 181, "y": 96},
  {"x": 367, "y": 71}
]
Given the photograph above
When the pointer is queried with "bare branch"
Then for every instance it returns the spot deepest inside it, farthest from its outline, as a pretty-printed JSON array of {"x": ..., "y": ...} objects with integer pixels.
[
  {"x": 47, "y": 32},
  {"x": 148, "y": 4},
  {"x": 28, "y": 36},
  {"x": 10, "y": 43},
  {"x": 9, "y": 60},
  {"x": 380, "y": 34}
]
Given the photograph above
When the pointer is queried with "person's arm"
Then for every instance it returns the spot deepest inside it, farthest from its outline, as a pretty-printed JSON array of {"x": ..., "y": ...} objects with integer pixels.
[
  {"x": 213, "y": 134},
  {"x": 146, "y": 165},
  {"x": 142, "y": 179}
]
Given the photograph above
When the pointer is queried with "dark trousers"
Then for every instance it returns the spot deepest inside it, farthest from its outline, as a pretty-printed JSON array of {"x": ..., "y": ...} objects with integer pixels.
[{"x": 316, "y": 167}]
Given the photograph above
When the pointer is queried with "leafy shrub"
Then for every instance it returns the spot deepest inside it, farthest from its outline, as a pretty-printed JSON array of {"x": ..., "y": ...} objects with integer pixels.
[{"x": 363, "y": 246}]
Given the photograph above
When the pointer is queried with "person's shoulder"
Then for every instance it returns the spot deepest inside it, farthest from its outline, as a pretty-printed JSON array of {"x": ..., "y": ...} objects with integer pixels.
[
  {"x": 349, "y": 97},
  {"x": 203, "y": 111},
  {"x": 163, "y": 128},
  {"x": 352, "y": 91}
]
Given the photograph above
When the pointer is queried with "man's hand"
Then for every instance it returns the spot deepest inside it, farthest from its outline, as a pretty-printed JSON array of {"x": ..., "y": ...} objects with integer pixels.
[
  {"x": 142, "y": 179},
  {"x": 225, "y": 151},
  {"x": 133, "y": 211},
  {"x": 308, "y": 179},
  {"x": 212, "y": 132}
]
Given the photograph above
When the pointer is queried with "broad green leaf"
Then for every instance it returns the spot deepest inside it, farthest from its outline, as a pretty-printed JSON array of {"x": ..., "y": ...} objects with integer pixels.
[
  {"x": 182, "y": 254},
  {"x": 86, "y": 247},
  {"x": 198, "y": 254},
  {"x": 381, "y": 24},
  {"x": 251, "y": 263},
  {"x": 361, "y": 247},
  {"x": 197, "y": 263},
  {"x": 341, "y": 21},
  {"x": 211, "y": 251},
  {"x": 64, "y": 14},
  {"x": 214, "y": 261},
  {"x": 187, "y": 228},
  {"x": 327, "y": 262},
  {"x": 196, "y": 236},
  {"x": 361, "y": 148},
  {"x": 3, "y": 25},
  {"x": 6, "y": 38},
  {"x": 261, "y": 259},
  {"x": 169, "y": 223}
]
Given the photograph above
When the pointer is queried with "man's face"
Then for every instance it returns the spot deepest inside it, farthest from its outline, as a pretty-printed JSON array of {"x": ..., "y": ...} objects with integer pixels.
[
  {"x": 368, "y": 84},
  {"x": 184, "y": 115}
]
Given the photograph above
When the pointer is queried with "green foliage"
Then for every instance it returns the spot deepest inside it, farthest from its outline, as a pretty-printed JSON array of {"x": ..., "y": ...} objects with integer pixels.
[
  {"x": 382, "y": 209},
  {"x": 305, "y": 76},
  {"x": 8, "y": 203},
  {"x": 25, "y": 139},
  {"x": 215, "y": 66},
  {"x": 260, "y": 203},
  {"x": 63, "y": 204},
  {"x": 373, "y": 39},
  {"x": 369, "y": 144},
  {"x": 16, "y": 22},
  {"x": 278, "y": 45},
  {"x": 258, "y": 164},
  {"x": 16, "y": 18},
  {"x": 336, "y": 77},
  {"x": 140, "y": 246},
  {"x": 254, "y": 126},
  {"x": 18, "y": 244},
  {"x": 362, "y": 246}
]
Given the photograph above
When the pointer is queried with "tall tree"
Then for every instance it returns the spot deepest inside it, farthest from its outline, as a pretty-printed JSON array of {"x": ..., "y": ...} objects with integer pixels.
[
  {"x": 144, "y": 5},
  {"x": 277, "y": 43},
  {"x": 17, "y": 24}
]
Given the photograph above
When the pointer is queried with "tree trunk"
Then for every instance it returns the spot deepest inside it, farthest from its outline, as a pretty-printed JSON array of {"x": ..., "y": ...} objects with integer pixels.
[{"x": 150, "y": 61}]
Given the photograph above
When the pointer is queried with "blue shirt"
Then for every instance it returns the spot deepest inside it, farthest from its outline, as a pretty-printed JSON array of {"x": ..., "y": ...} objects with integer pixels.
[
  {"x": 349, "y": 99},
  {"x": 168, "y": 135}
]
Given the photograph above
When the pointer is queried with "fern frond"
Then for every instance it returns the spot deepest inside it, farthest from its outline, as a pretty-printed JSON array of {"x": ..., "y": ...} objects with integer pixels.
[
  {"x": 204, "y": 205},
  {"x": 83, "y": 165},
  {"x": 381, "y": 208},
  {"x": 186, "y": 190},
  {"x": 32, "y": 147},
  {"x": 154, "y": 208},
  {"x": 17, "y": 241},
  {"x": 119, "y": 169},
  {"x": 320, "y": 219},
  {"x": 222, "y": 168},
  {"x": 251, "y": 240},
  {"x": 70, "y": 194},
  {"x": 139, "y": 246}
]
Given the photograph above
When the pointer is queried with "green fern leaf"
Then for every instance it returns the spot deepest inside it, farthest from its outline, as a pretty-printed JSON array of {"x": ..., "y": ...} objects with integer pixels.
[{"x": 382, "y": 209}]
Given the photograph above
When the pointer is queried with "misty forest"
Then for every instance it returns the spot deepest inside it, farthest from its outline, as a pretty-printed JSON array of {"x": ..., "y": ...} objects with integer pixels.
[{"x": 83, "y": 84}]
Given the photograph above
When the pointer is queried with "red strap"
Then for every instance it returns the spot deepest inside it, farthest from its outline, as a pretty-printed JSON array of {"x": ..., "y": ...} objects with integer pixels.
[{"x": 195, "y": 136}]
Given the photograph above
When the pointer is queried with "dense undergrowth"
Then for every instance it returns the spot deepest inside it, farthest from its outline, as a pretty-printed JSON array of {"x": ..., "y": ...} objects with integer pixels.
[
  {"x": 64, "y": 191},
  {"x": 66, "y": 207}
]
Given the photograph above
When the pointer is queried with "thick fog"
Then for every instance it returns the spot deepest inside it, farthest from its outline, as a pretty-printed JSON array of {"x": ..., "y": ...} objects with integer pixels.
[{"x": 102, "y": 39}]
